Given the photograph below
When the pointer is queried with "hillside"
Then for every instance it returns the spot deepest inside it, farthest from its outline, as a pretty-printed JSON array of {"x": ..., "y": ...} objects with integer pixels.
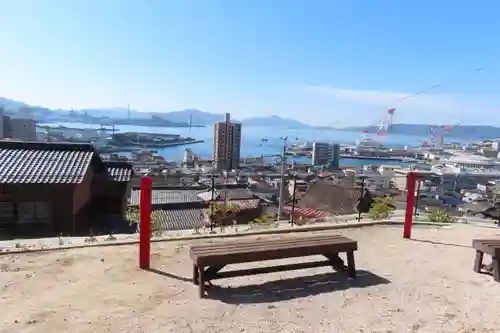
[{"x": 274, "y": 121}]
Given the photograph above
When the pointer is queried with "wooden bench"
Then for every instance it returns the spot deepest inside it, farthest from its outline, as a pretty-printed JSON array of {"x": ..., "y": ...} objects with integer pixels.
[
  {"x": 491, "y": 247},
  {"x": 209, "y": 259}
]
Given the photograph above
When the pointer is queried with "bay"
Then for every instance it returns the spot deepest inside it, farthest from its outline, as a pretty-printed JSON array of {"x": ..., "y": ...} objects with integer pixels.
[{"x": 252, "y": 144}]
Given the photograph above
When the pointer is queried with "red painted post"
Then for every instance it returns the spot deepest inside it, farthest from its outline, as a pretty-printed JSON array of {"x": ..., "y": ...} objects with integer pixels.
[
  {"x": 411, "y": 180},
  {"x": 145, "y": 223}
]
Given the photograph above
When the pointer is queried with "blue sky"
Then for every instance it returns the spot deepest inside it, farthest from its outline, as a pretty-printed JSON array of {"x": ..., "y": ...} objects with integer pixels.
[{"x": 319, "y": 61}]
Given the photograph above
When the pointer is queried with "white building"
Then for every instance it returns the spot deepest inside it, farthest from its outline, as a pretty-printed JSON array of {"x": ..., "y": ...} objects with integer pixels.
[
  {"x": 471, "y": 161},
  {"x": 368, "y": 146}
]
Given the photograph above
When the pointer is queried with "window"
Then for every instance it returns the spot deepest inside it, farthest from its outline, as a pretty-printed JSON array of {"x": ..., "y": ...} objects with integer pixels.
[
  {"x": 7, "y": 212},
  {"x": 34, "y": 212}
]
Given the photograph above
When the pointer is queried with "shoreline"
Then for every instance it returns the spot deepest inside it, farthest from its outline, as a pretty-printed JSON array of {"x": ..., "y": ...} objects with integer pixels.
[{"x": 128, "y": 149}]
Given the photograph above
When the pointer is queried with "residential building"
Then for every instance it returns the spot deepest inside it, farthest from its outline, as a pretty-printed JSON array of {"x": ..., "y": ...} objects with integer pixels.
[
  {"x": 227, "y": 144},
  {"x": 183, "y": 208},
  {"x": 49, "y": 189},
  {"x": 2, "y": 116},
  {"x": 329, "y": 198},
  {"x": 23, "y": 129}
]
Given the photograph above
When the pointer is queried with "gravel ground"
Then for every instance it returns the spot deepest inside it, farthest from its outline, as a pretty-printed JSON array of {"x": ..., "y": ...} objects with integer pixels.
[{"x": 424, "y": 285}]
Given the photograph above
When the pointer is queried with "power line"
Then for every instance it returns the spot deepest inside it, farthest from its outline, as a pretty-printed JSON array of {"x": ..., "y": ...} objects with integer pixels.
[{"x": 426, "y": 90}]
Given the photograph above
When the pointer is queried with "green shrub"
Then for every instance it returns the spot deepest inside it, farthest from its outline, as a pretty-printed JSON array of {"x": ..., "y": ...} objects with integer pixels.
[
  {"x": 381, "y": 208},
  {"x": 440, "y": 216},
  {"x": 133, "y": 216}
]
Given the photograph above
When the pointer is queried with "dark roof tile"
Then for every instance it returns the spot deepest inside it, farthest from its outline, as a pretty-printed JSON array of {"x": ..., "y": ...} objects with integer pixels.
[
  {"x": 33, "y": 162},
  {"x": 181, "y": 219},
  {"x": 119, "y": 171},
  {"x": 334, "y": 199},
  {"x": 162, "y": 197},
  {"x": 236, "y": 193}
]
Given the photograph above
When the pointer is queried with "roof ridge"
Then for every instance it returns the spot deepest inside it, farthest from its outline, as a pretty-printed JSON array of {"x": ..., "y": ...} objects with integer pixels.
[{"x": 61, "y": 146}]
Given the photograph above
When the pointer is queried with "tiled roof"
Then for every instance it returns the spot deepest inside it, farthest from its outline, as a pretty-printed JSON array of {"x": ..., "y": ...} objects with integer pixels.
[
  {"x": 334, "y": 199},
  {"x": 242, "y": 204},
  {"x": 181, "y": 219},
  {"x": 307, "y": 212},
  {"x": 119, "y": 171},
  {"x": 166, "y": 196},
  {"x": 30, "y": 163},
  {"x": 229, "y": 193}
]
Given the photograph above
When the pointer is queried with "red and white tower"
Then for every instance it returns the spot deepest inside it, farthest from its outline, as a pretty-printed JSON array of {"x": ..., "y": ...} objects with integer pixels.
[{"x": 386, "y": 122}]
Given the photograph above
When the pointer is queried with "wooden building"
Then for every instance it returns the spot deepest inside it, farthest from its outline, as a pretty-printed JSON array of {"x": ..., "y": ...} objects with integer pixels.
[{"x": 49, "y": 189}]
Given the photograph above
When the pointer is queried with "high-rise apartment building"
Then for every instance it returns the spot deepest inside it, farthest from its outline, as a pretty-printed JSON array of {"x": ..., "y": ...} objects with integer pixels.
[
  {"x": 324, "y": 153},
  {"x": 227, "y": 144}
]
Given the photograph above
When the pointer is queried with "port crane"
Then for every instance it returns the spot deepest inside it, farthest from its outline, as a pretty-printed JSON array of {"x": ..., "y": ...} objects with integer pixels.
[
  {"x": 437, "y": 133},
  {"x": 383, "y": 125}
]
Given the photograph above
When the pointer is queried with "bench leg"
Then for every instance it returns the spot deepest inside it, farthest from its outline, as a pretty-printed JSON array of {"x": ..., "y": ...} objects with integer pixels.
[
  {"x": 496, "y": 269},
  {"x": 478, "y": 262},
  {"x": 201, "y": 281},
  {"x": 336, "y": 261},
  {"x": 351, "y": 267},
  {"x": 195, "y": 274}
]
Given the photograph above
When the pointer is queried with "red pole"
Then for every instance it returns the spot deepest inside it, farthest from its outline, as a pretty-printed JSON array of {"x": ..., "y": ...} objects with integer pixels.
[
  {"x": 411, "y": 179},
  {"x": 145, "y": 223}
]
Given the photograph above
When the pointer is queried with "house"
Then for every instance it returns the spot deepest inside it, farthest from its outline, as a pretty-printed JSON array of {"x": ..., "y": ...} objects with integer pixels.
[
  {"x": 175, "y": 207},
  {"x": 183, "y": 208},
  {"x": 238, "y": 196},
  {"x": 49, "y": 189},
  {"x": 330, "y": 198}
]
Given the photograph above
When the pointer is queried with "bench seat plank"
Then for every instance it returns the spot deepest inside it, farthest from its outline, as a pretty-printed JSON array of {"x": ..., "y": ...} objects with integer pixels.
[
  {"x": 488, "y": 246},
  {"x": 260, "y": 250}
]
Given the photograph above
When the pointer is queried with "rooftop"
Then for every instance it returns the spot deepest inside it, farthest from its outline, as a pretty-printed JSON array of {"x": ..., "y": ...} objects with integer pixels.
[
  {"x": 166, "y": 196},
  {"x": 37, "y": 162},
  {"x": 420, "y": 285}
]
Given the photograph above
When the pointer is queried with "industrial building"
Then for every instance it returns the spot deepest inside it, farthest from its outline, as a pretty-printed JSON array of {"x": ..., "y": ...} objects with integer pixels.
[{"x": 227, "y": 144}]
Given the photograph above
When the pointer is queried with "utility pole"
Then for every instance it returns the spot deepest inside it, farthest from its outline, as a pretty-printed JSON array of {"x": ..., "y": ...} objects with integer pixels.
[
  {"x": 415, "y": 213},
  {"x": 212, "y": 202},
  {"x": 282, "y": 179},
  {"x": 361, "y": 196},
  {"x": 293, "y": 198}
]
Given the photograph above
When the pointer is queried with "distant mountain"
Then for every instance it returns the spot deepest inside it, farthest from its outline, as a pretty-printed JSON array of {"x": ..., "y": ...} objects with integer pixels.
[
  {"x": 11, "y": 104},
  {"x": 463, "y": 131},
  {"x": 197, "y": 117},
  {"x": 274, "y": 121}
]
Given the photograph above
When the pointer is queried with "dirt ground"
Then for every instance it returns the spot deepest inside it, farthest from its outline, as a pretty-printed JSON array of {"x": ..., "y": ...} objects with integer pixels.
[{"x": 423, "y": 285}]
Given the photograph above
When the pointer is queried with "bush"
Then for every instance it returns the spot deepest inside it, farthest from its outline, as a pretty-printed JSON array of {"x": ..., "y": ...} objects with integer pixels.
[
  {"x": 222, "y": 215},
  {"x": 133, "y": 216},
  {"x": 440, "y": 216},
  {"x": 381, "y": 208},
  {"x": 265, "y": 218}
]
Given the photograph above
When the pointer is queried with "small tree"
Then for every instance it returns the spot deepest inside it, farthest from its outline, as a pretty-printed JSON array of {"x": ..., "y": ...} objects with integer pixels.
[
  {"x": 440, "y": 216},
  {"x": 133, "y": 216},
  {"x": 222, "y": 215},
  {"x": 381, "y": 208}
]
